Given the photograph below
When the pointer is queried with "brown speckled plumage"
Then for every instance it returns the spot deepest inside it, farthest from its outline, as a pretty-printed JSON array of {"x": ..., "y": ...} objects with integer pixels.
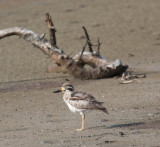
[{"x": 80, "y": 102}]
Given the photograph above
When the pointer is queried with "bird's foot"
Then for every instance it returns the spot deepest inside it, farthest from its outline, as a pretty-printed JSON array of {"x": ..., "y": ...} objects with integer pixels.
[{"x": 80, "y": 129}]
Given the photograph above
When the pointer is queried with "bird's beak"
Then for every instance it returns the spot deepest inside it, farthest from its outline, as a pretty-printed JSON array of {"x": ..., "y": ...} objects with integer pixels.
[{"x": 59, "y": 90}]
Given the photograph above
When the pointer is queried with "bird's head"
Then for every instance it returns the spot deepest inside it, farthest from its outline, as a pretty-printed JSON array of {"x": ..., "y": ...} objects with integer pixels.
[{"x": 65, "y": 87}]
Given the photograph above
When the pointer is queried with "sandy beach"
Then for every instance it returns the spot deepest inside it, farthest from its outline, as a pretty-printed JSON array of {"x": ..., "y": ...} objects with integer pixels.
[{"x": 31, "y": 115}]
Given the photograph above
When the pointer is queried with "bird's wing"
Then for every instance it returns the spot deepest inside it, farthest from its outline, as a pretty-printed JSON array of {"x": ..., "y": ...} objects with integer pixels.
[
  {"x": 79, "y": 95},
  {"x": 83, "y": 100}
]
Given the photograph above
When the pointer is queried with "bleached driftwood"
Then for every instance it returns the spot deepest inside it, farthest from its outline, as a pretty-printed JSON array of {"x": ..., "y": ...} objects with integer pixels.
[
  {"x": 129, "y": 77},
  {"x": 100, "y": 67}
]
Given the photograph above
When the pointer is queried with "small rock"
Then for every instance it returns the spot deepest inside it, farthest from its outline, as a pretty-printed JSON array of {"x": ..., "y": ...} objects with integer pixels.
[
  {"x": 131, "y": 55},
  {"x": 104, "y": 120},
  {"x": 107, "y": 141},
  {"x": 121, "y": 134}
]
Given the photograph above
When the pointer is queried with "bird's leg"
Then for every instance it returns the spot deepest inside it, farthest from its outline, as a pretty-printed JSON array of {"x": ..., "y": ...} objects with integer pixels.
[{"x": 83, "y": 118}]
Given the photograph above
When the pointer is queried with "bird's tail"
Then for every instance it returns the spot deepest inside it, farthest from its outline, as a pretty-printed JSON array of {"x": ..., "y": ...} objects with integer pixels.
[
  {"x": 100, "y": 107},
  {"x": 104, "y": 110}
]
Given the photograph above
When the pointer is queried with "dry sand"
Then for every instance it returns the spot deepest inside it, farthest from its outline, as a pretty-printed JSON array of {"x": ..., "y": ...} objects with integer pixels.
[{"x": 32, "y": 116}]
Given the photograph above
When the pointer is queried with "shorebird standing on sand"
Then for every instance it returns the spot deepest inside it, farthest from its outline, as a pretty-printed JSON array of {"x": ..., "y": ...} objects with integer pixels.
[{"x": 80, "y": 102}]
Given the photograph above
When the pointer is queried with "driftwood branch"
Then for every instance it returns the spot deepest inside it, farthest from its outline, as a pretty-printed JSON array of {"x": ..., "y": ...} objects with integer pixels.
[
  {"x": 52, "y": 30},
  {"x": 98, "y": 48},
  {"x": 82, "y": 52},
  {"x": 37, "y": 40},
  {"x": 129, "y": 77},
  {"x": 100, "y": 67},
  {"x": 88, "y": 39}
]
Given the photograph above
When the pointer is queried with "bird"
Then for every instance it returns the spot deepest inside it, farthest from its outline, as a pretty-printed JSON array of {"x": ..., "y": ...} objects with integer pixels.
[{"x": 80, "y": 102}]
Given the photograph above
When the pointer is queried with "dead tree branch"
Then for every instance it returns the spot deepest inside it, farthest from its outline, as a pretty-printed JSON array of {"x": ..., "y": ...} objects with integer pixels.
[
  {"x": 129, "y": 77},
  {"x": 37, "y": 40},
  {"x": 100, "y": 67},
  {"x": 98, "y": 48},
  {"x": 88, "y": 39},
  {"x": 52, "y": 30},
  {"x": 82, "y": 51}
]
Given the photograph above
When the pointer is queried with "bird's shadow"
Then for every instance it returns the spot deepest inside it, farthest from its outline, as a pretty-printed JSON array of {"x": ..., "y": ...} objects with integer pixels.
[{"x": 126, "y": 125}]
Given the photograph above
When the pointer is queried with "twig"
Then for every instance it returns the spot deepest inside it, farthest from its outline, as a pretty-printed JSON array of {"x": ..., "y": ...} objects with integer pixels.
[
  {"x": 52, "y": 30},
  {"x": 88, "y": 39},
  {"x": 98, "y": 48},
  {"x": 126, "y": 82},
  {"x": 129, "y": 78},
  {"x": 83, "y": 51}
]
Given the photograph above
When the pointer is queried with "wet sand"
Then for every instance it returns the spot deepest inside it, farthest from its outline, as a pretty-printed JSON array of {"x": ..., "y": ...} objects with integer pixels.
[{"x": 31, "y": 115}]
